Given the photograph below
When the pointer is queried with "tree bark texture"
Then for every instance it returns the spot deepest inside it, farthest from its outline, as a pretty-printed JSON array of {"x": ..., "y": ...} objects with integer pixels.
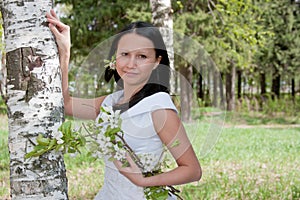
[
  {"x": 216, "y": 76},
  {"x": 2, "y": 76},
  {"x": 186, "y": 92},
  {"x": 239, "y": 84},
  {"x": 263, "y": 85},
  {"x": 34, "y": 100},
  {"x": 275, "y": 84},
  {"x": 200, "y": 92},
  {"x": 162, "y": 18},
  {"x": 230, "y": 88}
]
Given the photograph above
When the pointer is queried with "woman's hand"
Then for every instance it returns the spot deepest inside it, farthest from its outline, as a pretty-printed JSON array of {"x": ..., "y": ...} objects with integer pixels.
[
  {"x": 133, "y": 172},
  {"x": 61, "y": 33}
]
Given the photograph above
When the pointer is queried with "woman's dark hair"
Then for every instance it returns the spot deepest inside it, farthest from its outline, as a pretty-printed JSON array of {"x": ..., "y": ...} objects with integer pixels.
[{"x": 160, "y": 77}]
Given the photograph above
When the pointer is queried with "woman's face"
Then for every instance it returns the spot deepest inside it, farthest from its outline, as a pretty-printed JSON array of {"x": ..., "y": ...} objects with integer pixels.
[{"x": 135, "y": 59}]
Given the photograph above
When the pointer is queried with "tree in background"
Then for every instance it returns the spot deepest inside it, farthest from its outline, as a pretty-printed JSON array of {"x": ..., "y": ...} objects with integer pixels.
[
  {"x": 238, "y": 36},
  {"x": 34, "y": 100},
  {"x": 280, "y": 57}
]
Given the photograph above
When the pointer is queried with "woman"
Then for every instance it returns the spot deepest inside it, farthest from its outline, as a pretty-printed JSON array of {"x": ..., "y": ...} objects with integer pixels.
[{"x": 149, "y": 118}]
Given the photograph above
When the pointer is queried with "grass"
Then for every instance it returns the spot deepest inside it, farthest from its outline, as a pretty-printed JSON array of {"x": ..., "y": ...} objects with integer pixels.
[{"x": 253, "y": 163}]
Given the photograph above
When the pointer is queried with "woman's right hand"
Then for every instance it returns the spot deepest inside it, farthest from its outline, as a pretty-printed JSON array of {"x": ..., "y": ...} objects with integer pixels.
[{"x": 61, "y": 33}]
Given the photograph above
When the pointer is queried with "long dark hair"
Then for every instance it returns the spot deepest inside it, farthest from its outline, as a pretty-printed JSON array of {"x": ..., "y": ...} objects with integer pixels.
[{"x": 159, "y": 80}]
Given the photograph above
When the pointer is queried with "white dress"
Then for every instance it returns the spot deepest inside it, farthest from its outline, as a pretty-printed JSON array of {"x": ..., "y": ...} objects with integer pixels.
[{"x": 141, "y": 136}]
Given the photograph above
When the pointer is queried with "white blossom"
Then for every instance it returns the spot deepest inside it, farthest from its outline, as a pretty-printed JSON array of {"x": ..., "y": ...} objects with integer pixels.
[
  {"x": 58, "y": 136},
  {"x": 108, "y": 117},
  {"x": 150, "y": 161},
  {"x": 119, "y": 153}
]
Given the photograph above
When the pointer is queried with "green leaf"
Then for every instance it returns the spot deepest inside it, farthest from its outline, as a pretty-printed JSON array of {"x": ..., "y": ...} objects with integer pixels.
[{"x": 175, "y": 143}]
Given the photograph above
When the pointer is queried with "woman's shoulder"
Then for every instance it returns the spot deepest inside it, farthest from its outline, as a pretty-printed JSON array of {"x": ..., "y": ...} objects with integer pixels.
[
  {"x": 160, "y": 100},
  {"x": 112, "y": 98}
]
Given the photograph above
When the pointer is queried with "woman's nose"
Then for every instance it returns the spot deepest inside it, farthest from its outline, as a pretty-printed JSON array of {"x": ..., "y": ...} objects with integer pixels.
[{"x": 132, "y": 62}]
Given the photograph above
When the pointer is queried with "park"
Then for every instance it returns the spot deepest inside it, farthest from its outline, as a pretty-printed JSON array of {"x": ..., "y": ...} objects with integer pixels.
[{"x": 234, "y": 81}]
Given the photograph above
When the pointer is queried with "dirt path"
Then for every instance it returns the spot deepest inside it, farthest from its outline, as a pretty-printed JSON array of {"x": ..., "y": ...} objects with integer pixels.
[{"x": 262, "y": 126}]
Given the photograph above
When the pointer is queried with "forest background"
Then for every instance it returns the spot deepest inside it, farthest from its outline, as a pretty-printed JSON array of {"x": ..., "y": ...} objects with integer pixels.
[{"x": 254, "y": 45}]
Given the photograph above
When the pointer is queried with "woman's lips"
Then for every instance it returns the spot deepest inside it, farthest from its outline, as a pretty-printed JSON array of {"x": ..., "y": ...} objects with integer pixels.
[{"x": 131, "y": 74}]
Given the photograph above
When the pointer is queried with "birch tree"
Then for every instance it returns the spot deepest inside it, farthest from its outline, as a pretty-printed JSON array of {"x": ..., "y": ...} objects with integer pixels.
[
  {"x": 34, "y": 99},
  {"x": 2, "y": 69},
  {"x": 162, "y": 17}
]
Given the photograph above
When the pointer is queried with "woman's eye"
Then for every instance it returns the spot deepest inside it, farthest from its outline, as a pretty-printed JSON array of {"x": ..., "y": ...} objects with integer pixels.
[
  {"x": 142, "y": 56},
  {"x": 124, "y": 54}
]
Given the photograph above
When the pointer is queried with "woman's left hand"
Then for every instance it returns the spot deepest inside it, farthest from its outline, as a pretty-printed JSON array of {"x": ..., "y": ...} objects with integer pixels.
[{"x": 132, "y": 172}]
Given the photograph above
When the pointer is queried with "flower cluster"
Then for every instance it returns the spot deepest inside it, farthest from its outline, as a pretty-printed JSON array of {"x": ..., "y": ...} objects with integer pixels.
[
  {"x": 111, "y": 64},
  {"x": 105, "y": 138}
]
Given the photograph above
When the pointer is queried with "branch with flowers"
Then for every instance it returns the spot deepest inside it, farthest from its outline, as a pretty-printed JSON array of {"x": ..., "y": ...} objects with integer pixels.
[{"x": 105, "y": 138}]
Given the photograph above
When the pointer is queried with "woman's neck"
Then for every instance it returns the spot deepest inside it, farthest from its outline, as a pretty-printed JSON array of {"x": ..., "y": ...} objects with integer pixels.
[{"x": 129, "y": 91}]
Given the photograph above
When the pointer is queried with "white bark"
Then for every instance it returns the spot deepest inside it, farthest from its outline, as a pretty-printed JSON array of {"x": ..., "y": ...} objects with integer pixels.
[
  {"x": 35, "y": 102},
  {"x": 2, "y": 76},
  {"x": 162, "y": 18}
]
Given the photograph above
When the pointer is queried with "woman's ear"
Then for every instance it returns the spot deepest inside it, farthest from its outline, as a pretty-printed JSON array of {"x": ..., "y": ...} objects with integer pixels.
[{"x": 157, "y": 62}]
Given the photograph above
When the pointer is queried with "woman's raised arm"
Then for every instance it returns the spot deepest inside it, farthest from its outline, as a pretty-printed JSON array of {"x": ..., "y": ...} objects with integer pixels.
[{"x": 77, "y": 107}]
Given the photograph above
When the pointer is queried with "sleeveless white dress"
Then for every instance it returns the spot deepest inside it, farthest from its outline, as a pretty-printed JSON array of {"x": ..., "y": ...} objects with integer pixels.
[{"x": 141, "y": 136}]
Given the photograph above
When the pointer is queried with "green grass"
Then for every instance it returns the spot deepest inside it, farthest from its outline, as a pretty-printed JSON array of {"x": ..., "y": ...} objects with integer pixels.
[
  {"x": 252, "y": 163},
  {"x": 255, "y": 163}
]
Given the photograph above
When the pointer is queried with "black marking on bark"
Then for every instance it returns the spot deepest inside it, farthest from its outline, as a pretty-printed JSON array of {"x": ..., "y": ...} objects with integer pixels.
[{"x": 17, "y": 115}]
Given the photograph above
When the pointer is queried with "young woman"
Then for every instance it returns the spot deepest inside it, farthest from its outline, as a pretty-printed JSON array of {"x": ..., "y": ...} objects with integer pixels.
[{"x": 149, "y": 117}]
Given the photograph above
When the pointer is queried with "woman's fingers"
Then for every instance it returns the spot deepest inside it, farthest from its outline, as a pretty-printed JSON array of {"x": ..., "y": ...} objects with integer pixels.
[
  {"x": 61, "y": 32},
  {"x": 61, "y": 27},
  {"x": 53, "y": 14}
]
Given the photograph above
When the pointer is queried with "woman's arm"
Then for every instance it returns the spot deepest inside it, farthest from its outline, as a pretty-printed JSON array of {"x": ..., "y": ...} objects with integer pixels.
[
  {"x": 77, "y": 107},
  {"x": 170, "y": 130}
]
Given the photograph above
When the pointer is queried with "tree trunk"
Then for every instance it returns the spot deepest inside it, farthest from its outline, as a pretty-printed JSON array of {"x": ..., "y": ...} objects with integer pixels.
[
  {"x": 162, "y": 17},
  {"x": 186, "y": 92},
  {"x": 200, "y": 92},
  {"x": 216, "y": 79},
  {"x": 275, "y": 84},
  {"x": 221, "y": 86},
  {"x": 230, "y": 88},
  {"x": 34, "y": 100},
  {"x": 263, "y": 85},
  {"x": 2, "y": 76},
  {"x": 239, "y": 84},
  {"x": 293, "y": 91}
]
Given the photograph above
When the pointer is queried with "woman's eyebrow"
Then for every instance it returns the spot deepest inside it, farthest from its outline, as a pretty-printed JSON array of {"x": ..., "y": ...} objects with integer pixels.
[{"x": 139, "y": 50}]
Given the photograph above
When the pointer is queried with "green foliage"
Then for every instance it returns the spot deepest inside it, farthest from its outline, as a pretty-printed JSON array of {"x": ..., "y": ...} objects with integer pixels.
[
  {"x": 69, "y": 141},
  {"x": 93, "y": 21},
  {"x": 282, "y": 49}
]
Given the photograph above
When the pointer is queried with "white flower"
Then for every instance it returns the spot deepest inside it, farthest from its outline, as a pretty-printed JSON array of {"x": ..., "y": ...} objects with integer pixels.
[
  {"x": 112, "y": 65},
  {"x": 58, "y": 136},
  {"x": 149, "y": 161},
  {"x": 108, "y": 117},
  {"x": 119, "y": 153}
]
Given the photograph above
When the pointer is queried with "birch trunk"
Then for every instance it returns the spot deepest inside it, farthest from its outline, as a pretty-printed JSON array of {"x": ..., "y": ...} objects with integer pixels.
[
  {"x": 162, "y": 18},
  {"x": 2, "y": 67},
  {"x": 34, "y": 100},
  {"x": 2, "y": 76}
]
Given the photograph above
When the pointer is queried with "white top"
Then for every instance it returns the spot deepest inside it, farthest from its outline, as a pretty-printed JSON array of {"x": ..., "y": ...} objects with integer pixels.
[{"x": 140, "y": 135}]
